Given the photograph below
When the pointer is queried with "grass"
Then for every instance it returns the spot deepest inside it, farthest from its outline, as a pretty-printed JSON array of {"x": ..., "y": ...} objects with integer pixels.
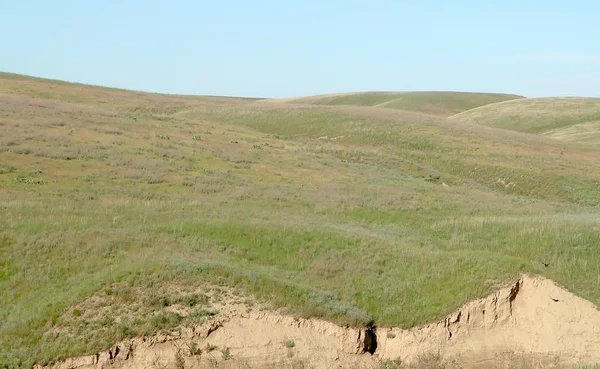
[
  {"x": 574, "y": 119},
  {"x": 438, "y": 103},
  {"x": 586, "y": 366},
  {"x": 348, "y": 216}
]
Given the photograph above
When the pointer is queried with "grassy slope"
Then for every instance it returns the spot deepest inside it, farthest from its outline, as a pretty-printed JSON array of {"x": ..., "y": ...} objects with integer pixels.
[
  {"x": 400, "y": 218},
  {"x": 575, "y": 119},
  {"x": 437, "y": 103}
]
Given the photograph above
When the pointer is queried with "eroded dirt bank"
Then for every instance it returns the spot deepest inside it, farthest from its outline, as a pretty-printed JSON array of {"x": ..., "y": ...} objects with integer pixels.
[{"x": 532, "y": 321}]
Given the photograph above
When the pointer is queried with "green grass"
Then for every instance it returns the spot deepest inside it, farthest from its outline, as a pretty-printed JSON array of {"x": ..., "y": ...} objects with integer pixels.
[
  {"x": 438, "y": 103},
  {"x": 348, "y": 216},
  {"x": 573, "y": 119},
  {"x": 586, "y": 366}
]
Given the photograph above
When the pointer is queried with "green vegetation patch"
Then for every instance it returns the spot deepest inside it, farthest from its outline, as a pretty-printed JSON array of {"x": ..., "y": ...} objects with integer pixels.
[
  {"x": 344, "y": 215},
  {"x": 438, "y": 103}
]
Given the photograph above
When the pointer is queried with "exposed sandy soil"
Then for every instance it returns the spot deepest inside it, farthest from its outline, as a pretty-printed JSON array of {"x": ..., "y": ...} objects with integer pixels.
[
  {"x": 532, "y": 323},
  {"x": 534, "y": 318}
]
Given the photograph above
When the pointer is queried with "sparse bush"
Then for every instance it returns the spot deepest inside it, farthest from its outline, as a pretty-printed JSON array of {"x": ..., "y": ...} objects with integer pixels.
[
  {"x": 179, "y": 361},
  {"x": 299, "y": 364},
  {"x": 193, "y": 349},
  {"x": 289, "y": 343},
  {"x": 210, "y": 348},
  {"x": 107, "y": 321},
  {"x": 192, "y": 300},
  {"x": 27, "y": 180},
  {"x": 391, "y": 364},
  {"x": 125, "y": 331},
  {"x": 163, "y": 137},
  {"x": 391, "y": 335},
  {"x": 165, "y": 320},
  {"x": 431, "y": 361},
  {"x": 7, "y": 169},
  {"x": 226, "y": 353},
  {"x": 155, "y": 180},
  {"x": 77, "y": 313},
  {"x": 197, "y": 313},
  {"x": 432, "y": 178},
  {"x": 196, "y": 137},
  {"x": 157, "y": 301},
  {"x": 586, "y": 366}
]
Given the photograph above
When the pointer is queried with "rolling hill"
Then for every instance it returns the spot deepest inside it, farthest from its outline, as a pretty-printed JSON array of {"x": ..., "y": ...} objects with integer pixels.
[
  {"x": 115, "y": 203},
  {"x": 575, "y": 119},
  {"x": 437, "y": 103}
]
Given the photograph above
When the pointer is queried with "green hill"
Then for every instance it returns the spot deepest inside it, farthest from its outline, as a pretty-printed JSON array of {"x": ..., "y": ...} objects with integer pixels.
[
  {"x": 437, "y": 103},
  {"x": 575, "y": 119},
  {"x": 350, "y": 214}
]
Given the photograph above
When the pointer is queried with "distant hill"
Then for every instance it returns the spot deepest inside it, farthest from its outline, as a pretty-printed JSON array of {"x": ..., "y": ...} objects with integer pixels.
[
  {"x": 575, "y": 119},
  {"x": 438, "y": 103},
  {"x": 123, "y": 212}
]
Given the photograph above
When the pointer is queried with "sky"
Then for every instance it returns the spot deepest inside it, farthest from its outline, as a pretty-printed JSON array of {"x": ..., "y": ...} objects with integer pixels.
[{"x": 280, "y": 48}]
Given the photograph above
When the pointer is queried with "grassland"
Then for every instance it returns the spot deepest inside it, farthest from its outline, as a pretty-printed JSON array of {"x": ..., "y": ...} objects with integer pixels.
[
  {"x": 574, "y": 119},
  {"x": 430, "y": 102},
  {"x": 351, "y": 214}
]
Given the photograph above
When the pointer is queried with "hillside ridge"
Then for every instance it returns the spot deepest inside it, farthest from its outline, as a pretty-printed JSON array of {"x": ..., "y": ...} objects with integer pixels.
[{"x": 572, "y": 119}]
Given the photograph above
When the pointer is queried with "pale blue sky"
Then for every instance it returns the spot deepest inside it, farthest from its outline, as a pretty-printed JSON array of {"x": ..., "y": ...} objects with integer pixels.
[{"x": 280, "y": 48}]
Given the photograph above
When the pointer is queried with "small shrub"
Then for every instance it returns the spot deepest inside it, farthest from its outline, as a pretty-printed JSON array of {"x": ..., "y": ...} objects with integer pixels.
[
  {"x": 7, "y": 169},
  {"x": 125, "y": 331},
  {"x": 586, "y": 366},
  {"x": 107, "y": 321},
  {"x": 155, "y": 180},
  {"x": 299, "y": 364},
  {"x": 210, "y": 348},
  {"x": 163, "y": 137},
  {"x": 193, "y": 349},
  {"x": 226, "y": 353},
  {"x": 432, "y": 179},
  {"x": 430, "y": 361},
  {"x": 233, "y": 141},
  {"x": 179, "y": 361},
  {"x": 193, "y": 299},
  {"x": 391, "y": 335},
  {"x": 289, "y": 343},
  {"x": 196, "y": 137},
  {"x": 77, "y": 312},
  {"x": 158, "y": 301},
  {"x": 165, "y": 319},
  {"x": 197, "y": 313},
  {"x": 27, "y": 180},
  {"x": 391, "y": 364}
]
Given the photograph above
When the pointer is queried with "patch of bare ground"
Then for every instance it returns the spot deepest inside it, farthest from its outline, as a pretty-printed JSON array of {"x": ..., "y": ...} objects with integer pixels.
[{"x": 532, "y": 323}]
